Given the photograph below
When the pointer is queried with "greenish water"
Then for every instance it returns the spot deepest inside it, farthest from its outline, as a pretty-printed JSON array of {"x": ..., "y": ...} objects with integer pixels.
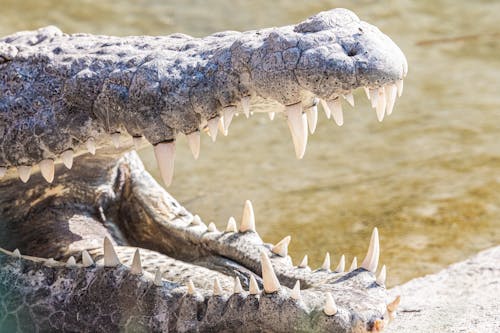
[{"x": 428, "y": 176}]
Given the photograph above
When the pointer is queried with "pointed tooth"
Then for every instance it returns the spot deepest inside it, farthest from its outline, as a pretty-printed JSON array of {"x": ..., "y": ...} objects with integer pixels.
[
  {"x": 228, "y": 117},
  {"x": 165, "y": 155},
  {"x": 231, "y": 225},
  {"x": 16, "y": 253},
  {"x": 47, "y": 170},
  {"x": 336, "y": 107},
  {"x": 71, "y": 262},
  {"x": 193, "y": 140},
  {"x": 91, "y": 146},
  {"x": 399, "y": 85},
  {"x": 137, "y": 142},
  {"x": 390, "y": 97},
  {"x": 281, "y": 248},
  {"x": 341, "y": 266},
  {"x": 248, "y": 218},
  {"x": 381, "y": 104},
  {"x": 213, "y": 125},
  {"x": 217, "y": 287},
  {"x": 326, "y": 262},
  {"x": 87, "y": 260},
  {"x": 330, "y": 308},
  {"x": 367, "y": 92},
  {"x": 245, "y": 105},
  {"x": 271, "y": 282},
  {"x": 158, "y": 280},
  {"x": 237, "y": 289},
  {"x": 24, "y": 172},
  {"x": 212, "y": 227},
  {"x": 271, "y": 115},
  {"x": 254, "y": 287},
  {"x": 191, "y": 289},
  {"x": 349, "y": 98},
  {"x": 391, "y": 307},
  {"x": 67, "y": 158},
  {"x": 326, "y": 108},
  {"x": 297, "y": 122},
  {"x": 374, "y": 97},
  {"x": 3, "y": 170},
  {"x": 221, "y": 126},
  {"x": 110, "y": 257},
  {"x": 312, "y": 118},
  {"x": 382, "y": 276},
  {"x": 354, "y": 264},
  {"x": 295, "y": 294},
  {"x": 196, "y": 220},
  {"x": 303, "y": 263},
  {"x": 371, "y": 260},
  {"x": 115, "y": 138},
  {"x": 405, "y": 65},
  {"x": 136, "y": 267}
]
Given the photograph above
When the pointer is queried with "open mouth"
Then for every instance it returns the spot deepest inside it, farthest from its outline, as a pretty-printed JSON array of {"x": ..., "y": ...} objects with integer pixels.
[{"x": 103, "y": 247}]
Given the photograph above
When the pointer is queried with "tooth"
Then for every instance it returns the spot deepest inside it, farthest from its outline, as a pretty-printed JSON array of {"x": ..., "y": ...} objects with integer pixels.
[
  {"x": 191, "y": 289},
  {"x": 217, "y": 287},
  {"x": 91, "y": 146},
  {"x": 212, "y": 227},
  {"x": 367, "y": 92},
  {"x": 50, "y": 262},
  {"x": 110, "y": 257},
  {"x": 330, "y": 306},
  {"x": 336, "y": 108},
  {"x": 405, "y": 66},
  {"x": 87, "y": 260},
  {"x": 341, "y": 266},
  {"x": 399, "y": 85},
  {"x": 374, "y": 97},
  {"x": 213, "y": 125},
  {"x": 47, "y": 170},
  {"x": 381, "y": 104},
  {"x": 3, "y": 170},
  {"x": 312, "y": 118},
  {"x": 382, "y": 276},
  {"x": 390, "y": 97},
  {"x": 303, "y": 263},
  {"x": 254, "y": 287},
  {"x": 24, "y": 172},
  {"x": 354, "y": 264},
  {"x": 349, "y": 98},
  {"x": 137, "y": 142},
  {"x": 271, "y": 282},
  {"x": 297, "y": 122},
  {"x": 371, "y": 260},
  {"x": 248, "y": 218},
  {"x": 157, "y": 281},
  {"x": 326, "y": 108},
  {"x": 194, "y": 143},
  {"x": 165, "y": 154},
  {"x": 326, "y": 262},
  {"x": 237, "y": 289},
  {"x": 245, "y": 105},
  {"x": 295, "y": 294},
  {"x": 136, "y": 267},
  {"x": 16, "y": 254},
  {"x": 391, "y": 307},
  {"x": 281, "y": 248},
  {"x": 196, "y": 220},
  {"x": 67, "y": 158},
  {"x": 71, "y": 262},
  {"x": 115, "y": 138},
  {"x": 271, "y": 115},
  {"x": 228, "y": 117},
  {"x": 231, "y": 225}
]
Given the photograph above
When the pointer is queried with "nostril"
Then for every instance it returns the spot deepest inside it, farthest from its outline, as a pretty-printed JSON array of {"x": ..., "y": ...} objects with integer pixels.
[{"x": 351, "y": 53}]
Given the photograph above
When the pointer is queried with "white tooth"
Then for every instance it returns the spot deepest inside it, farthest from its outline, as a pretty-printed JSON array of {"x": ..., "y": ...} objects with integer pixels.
[
  {"x": 248, "y": 218},
  {"x": 312, "y": 118},
  {"x": 271, "y": 282},
  {"x": 336, "y": 107},
  {"x": 271, "y": 115},
  {"x": 212, "y": 227},
  {"x": 330, "y": 308},
  {"x": 217, "y": 287},
  {"x": 367, "y": 92},
  {"x": 231, "y": 225},
  {"x": 228, "y": 117},
  {"x": 237, "y": 289},
  {"x": 399, "y": 85},
  {"x": 371, "y": 260},
  {"x": 354, "y": 264},
  {"x": 196, "y": 220},
  {"x": 349, "y": 98},
  {"x": 71, "y": 262},
  {"x": 326, "y": 262},
  {"x": 405, "y": 65},
  {"x": 165, "y": 155},
  {"x": 374, "y": 97},
  {"x": 326, "y": 108},
  {"x": 87, "y": 260},
  {"x": 136, "y": 267},
  {"x": 191, "y": 289},
  {"x": 16, "y": 254},
  {"x": 341, "y": 266},
  {"x": 254, "y": 287},
  {"x": 281, "y": 248},
  {"x": 382, "y": 276},
  {"x": 3, "y": 170},
  {"x": 158, "y": 280},
  {"x": 381, "y": 104},
  {"x": 193, "y": 140},
  {"x": 297, "y": 122},
  {"x": 115, "y": 138},
  {"x": 91, "y": 146},
  {"x": 110, "y": 257},
  {"x": 213, "y": 125},
  {"x": 24, "y": 172},
  {"x": 137, "y": 142},
  {"x": 390, "y": 97},
  {"x": 47, "y": 170},
  {"x": 67, "y": 158},
  {"x": 245, "y": 105},
  {"x": 295, "y": 294},
  {"x": 303, "y": 263}
]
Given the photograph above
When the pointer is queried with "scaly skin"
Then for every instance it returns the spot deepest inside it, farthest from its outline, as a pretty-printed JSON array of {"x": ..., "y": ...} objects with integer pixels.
[{"x": 58, "y": 92}]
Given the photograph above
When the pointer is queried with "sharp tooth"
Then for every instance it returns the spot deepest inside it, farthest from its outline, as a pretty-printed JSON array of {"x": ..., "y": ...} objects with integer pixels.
[
  {"x": 191, "y": 289},
  {"x": 237, "y": 289},
  {"x": 137, "y": 142},
  {"x": 157, "y": 281},
  {"x": 354, "y": 264},
  {"x": 254, "y": 287},
  {"x": 297, "y": 122},
  {"x": 341, "y": 266},
  {"x": 281, "y": 248},
  {"x": 336, "y": 108},
  {"x": 110, "y": 257},
  {"x": 136, "y": 267},
  {"x": 231, "y": 225},
  {"x": 381, "y": 104},
  {"x": 330, "y": 306},
  {"x": 326, "y": 262},
  {"x": 248, "y": 218},
  {"x": 193, "y": 140},
  {"x": 303, "y": 263},
  {"x": 349, "y": 98},
  {"x": 271, "y": 282},
  {"x": 390, "y": 97},
  {"x": 3, "y": 170},
  {"x": 374, "y": 97},
  {"x": 295, "y": 294},
  {"x": 196, "y": 220},
  {"x": 67, "y": 158},
  {"x": 367, "y": 92},
  {"x": 245, "y": 105},
  {"x": 87, "y": 260},
  {"x": 213, "y": 125},
  {"x": 16, "y": 254},
  {"x": 24, "y": 172},
  {"x": 399, "y": 85},
  {"x": 391, "y": 307},
  {"x": 271, "y": 115},
  {"x": 228, "y": 117},
  {"x": 91, "y": 146},
  {"x": 371, "y": 260},
  {"x": 71, "y": 262},
  {"x": 217, "y": 287},
  {"x": 405, "y": 66},
  {"x": 212, "y": 227},
  {"x": 165, "y": 155},
  {"x": 47, "y": 170},
  {"x": 312, "y": 118},
  {"x": 115, "y": 138},
  {"x": 326, "y": 108},
  {"x": 382, "y": 276}
]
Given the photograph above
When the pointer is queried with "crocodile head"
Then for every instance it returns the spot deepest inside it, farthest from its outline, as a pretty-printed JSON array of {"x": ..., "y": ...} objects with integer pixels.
[{"x": 65, "y": 96}]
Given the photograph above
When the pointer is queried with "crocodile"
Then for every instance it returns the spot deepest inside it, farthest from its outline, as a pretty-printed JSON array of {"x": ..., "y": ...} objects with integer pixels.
[{"x": 91, "y": 242}]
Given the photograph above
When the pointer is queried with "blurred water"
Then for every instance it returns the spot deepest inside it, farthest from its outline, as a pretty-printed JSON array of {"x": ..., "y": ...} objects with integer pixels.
[{"x": 428, "y": 176}]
